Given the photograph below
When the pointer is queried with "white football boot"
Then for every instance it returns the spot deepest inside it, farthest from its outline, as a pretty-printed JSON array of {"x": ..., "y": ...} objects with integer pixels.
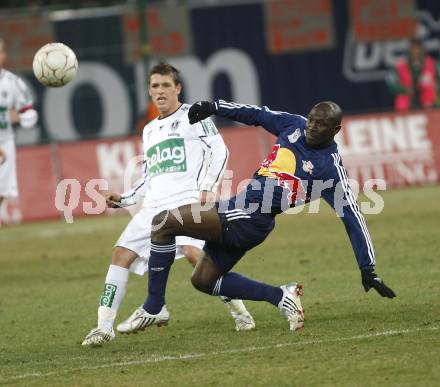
[
  {"x": 243, "y": 319},
  {"x": 98, "y": 337},
  {"x": 141, "y": 319},
  {"x": 103, "y": 333},
  {"x": 290, "y": 305}
]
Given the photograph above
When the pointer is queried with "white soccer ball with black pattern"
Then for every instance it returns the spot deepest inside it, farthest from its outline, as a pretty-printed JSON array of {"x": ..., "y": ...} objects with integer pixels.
[{"x": 55, "y": 65}]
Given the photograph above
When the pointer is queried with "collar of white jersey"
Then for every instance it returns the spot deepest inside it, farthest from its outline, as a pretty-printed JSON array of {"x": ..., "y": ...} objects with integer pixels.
[{"x": 169, "y": 115}]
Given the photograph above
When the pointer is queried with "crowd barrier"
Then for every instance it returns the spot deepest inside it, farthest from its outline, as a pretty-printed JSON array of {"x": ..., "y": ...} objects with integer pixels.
[{"x": 401, "y": 148}]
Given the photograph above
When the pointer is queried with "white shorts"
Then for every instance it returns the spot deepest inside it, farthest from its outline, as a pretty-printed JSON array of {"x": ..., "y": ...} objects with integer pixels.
[
  {"x": 8, "y": 171},
  {"x": 137, "y": 237}
]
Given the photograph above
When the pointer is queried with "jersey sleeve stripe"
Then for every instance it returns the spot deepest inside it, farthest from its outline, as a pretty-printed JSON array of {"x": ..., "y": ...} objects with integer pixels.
[
  {"x": 220, "y": 173},
  {"x": 361, "y": 216},
  {"x": 233, "y": 105},
  {"x": 353, "y": 205},
  {"x": 134, "y": 190},
  {"x": 201, "y": 167},
  {"x": 204, "y": 128}
]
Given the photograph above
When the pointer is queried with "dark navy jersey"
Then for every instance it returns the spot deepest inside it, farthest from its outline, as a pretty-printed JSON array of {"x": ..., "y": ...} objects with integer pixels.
[{"x": 294, "y": 173}]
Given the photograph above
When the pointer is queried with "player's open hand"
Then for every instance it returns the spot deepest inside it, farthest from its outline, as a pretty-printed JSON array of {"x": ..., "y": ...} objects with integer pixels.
[
  {"x": 371, "y": 280},
  {"x": 112, "y": 200},
  {"x": 2, "y": 156},
  {"x": 201, "y": 110}
]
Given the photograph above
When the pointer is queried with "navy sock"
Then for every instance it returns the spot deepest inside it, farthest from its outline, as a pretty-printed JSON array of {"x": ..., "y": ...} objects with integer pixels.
[
  {"x": 236, "y": 286},
  {"x": 159, "y": 265}
]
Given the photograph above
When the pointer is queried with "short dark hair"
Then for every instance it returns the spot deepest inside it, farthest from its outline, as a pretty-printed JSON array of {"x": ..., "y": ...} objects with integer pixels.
[
  {"x": 164, "y": 68},
  {"x": 332, "y": 110}
]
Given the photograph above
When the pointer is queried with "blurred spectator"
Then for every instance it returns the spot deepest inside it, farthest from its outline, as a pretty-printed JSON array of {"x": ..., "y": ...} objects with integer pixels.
[
  {"x": 414, "y": 81},
  {"x": 149, "y": 115},
  {"x": 16, "y": 110}
]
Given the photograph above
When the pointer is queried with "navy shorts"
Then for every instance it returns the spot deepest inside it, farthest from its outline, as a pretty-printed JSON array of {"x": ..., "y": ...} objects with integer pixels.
[{"x": 240, "y": 232}]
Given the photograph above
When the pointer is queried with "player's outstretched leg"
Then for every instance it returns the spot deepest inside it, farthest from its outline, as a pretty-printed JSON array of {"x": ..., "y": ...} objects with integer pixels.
[
  {"x": 209, "y": 278},
  {"x": 113, "y": 293},
  {"x": 187, "y": 220},
  {"x": 242, "y": 318}
]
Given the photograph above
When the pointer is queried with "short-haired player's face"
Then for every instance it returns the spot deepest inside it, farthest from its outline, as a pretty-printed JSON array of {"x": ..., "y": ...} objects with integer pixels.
[
  {"x": 164, "y": 93},
  {"x": 320, "y": 129}
]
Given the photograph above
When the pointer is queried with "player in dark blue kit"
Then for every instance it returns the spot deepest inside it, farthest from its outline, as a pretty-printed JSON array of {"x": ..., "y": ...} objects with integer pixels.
[{"x": 303, "y": 165}]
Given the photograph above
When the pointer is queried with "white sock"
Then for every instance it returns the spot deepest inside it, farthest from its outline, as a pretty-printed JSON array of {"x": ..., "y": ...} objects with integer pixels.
[
  {"x": 114, "y": 290},
  {"x": 236, "y": 307}
]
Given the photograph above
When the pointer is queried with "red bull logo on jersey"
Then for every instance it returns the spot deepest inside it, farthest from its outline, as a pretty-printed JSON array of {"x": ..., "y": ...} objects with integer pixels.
[
  {"x": 294, "y": 185},
  {"x": 280, "y": 164},
  {"x": 279, "y": 160}
]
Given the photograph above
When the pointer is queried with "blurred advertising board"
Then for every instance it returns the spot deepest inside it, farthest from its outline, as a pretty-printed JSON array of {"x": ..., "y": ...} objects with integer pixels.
[
  {"x": 402, "y": 149},
  {"x": 374, "y": 20},
  {"x": 298, "y": 25},
  {"x": 285, "y": 54},
  {"x": 24, "y": 34},
  {"x": 168, "y": 31}
]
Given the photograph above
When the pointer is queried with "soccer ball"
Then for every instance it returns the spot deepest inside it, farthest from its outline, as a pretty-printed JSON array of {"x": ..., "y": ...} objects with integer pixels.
[{"x": 55, "y": 65}]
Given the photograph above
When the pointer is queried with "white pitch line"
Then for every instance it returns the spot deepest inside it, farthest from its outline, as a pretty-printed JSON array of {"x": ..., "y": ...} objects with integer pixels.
[{"x": 158, "y": 359}]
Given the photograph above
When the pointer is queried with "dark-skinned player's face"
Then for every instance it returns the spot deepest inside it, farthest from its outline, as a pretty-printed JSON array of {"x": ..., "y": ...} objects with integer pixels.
[{"x": 321, "y": 129}]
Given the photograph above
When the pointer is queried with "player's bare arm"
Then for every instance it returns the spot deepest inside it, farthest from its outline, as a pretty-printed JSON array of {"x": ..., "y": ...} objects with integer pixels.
[
  {"x": 14, "y": 116},
  {"x": 2, "y": 156}
]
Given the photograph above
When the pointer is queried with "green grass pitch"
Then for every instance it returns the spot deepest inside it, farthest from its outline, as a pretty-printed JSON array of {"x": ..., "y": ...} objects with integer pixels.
[{"x": 51, "y": 277}]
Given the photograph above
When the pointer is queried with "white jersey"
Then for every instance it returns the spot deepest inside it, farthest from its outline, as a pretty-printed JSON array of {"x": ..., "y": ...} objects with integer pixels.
[
  {"x": 14, "y": 94},
  {"x": 180, "y": 160}
]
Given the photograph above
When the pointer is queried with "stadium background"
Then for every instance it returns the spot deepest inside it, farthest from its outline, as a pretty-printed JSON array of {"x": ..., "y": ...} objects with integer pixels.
[
  {"x": 287, "y": 55},
  {"x": 52, "y": 272}
]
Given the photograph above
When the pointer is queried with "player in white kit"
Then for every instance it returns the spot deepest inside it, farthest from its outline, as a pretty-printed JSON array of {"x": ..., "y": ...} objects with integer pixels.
[
  {"x": 15, "y": 110},
  {"x": 182, "y": 164}
]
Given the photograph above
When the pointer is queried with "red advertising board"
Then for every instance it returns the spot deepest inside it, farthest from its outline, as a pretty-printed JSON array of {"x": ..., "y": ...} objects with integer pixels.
[
  {"x": 402, "y": 149},
  {"x": 168, "y": 30},
  {"x": 295, "y": 25},
  {"x": 374, "y": 20},
  {"x": 24, "y": 34},
  {"x": 36, "y": 183},
  {"x": 96, "y": 166}
]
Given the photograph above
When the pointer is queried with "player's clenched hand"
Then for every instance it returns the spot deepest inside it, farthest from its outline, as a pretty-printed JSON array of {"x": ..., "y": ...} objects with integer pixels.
[
  {"x": 371, "y": 280},
  {"x": 112, "y": 200},
  {"x": 201, "y": 110}
]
